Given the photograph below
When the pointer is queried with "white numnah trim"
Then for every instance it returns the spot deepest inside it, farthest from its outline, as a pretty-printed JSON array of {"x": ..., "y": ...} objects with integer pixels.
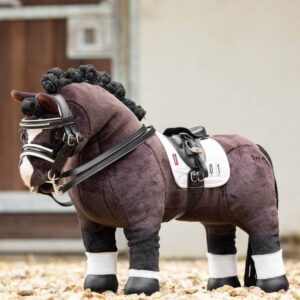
[
  {"x": 104, "y": 263},
  {"x": 221, "y": 266},
  {"x": 143, "y": 274},
  {"x": 269, "y": 265},
  {"x": 29, "y": 153},
  {"x": 216, "y": 162}
]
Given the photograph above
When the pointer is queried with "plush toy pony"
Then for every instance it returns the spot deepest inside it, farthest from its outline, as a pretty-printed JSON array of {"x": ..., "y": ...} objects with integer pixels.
[{"x": 83, "y": 119}]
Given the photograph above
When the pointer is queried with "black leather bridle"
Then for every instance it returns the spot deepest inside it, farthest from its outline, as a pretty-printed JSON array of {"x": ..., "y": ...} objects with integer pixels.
[{"x": 66, "y": 147}]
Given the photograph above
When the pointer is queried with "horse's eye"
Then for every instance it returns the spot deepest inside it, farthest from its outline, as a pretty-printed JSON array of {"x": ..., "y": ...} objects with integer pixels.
[
  {"x": 23, "y": 136},
  {"x": 57, "y": 135}
]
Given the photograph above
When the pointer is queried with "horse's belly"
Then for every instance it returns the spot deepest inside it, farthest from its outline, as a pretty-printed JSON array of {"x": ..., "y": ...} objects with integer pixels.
[{"x": 210, "y": 209}]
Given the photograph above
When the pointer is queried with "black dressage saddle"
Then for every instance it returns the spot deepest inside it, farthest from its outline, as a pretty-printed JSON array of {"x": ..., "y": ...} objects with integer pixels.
[{"x": 187, "y": 144}]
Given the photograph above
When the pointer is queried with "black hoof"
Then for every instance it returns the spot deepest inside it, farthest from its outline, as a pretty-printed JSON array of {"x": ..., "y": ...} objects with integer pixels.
[
  {"x": 101, "y": 283},
  {"x": 214, "y": 283},
  {"x": 138, "y": 285},
  {"x": 275, "y": 284}
]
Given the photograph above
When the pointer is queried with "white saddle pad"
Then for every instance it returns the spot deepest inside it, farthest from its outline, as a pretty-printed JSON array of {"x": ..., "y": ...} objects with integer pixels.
[{"x": 216, "y": 162}]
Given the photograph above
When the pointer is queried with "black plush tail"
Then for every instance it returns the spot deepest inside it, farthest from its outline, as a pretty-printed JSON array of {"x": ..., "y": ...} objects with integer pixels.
[
  {"x": 270, "y": 160},
  {"x": 250, "y": 271}
]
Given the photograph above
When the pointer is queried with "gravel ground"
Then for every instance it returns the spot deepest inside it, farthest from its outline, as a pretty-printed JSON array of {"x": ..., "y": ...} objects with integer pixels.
[{"x": 61, "y": 277}]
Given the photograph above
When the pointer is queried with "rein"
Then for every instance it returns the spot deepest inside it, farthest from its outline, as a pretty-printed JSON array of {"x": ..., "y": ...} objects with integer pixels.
[
  {"x": 66, "y": 147},
  {"x": 100, "y": 162},
  {"x": 107, "y": 158}
]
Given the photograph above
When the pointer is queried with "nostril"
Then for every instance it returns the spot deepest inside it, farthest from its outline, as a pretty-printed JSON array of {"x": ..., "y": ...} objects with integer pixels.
[{"x": 38, "y": 178}]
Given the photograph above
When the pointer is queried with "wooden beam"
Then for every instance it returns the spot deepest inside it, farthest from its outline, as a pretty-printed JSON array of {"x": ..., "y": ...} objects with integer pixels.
[
  {"x": 54, "y": 12},
  {"x": 39, "y": 226}
]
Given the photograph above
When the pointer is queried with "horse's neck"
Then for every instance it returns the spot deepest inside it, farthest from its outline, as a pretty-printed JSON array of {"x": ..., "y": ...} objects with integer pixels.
[
  {"x": 120, "y": 122},
  {"x": 118, "y": 127}
]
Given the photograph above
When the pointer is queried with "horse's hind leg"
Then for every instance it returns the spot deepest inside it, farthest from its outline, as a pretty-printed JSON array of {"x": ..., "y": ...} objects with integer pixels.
[
  {"x": 266, "y": 251},
  {"x": 221, "y": 256},
  {"x": 267, "y": 256},
  {"x": 143, "y": 262},
  {"x": 101, "y": 251}
]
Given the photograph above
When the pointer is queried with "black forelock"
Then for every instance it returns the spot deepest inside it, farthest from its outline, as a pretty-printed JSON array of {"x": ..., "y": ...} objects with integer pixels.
[{"x": 31, "y": 108}]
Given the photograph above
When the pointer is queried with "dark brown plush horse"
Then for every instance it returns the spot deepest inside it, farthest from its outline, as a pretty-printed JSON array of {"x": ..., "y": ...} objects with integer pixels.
[{"x": 138, "y": 192}]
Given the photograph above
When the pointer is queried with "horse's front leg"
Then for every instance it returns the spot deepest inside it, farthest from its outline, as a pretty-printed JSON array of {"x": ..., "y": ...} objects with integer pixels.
[
  {"x": 143, "y": 264},
  {"x": 101, "y": 251}
]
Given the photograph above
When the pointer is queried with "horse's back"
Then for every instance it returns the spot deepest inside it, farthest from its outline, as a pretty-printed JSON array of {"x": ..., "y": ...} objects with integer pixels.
[{"x": 230, "y": 142}]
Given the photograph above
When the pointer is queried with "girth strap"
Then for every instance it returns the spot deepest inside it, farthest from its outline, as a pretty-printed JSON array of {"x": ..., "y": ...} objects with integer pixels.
[{"x": 104, "y": 160}]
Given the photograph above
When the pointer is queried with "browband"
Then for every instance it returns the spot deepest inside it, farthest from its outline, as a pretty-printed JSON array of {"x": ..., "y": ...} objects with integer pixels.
[{"x": 65, "y": 119}]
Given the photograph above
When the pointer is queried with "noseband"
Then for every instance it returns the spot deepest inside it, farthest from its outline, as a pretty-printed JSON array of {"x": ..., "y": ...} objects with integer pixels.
[{"x": 66, "y": 147}]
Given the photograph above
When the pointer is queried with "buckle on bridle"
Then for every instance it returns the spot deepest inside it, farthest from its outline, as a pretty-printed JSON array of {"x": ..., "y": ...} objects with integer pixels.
[
  {"x": 72, "y": 140},
  {"x": 69, "y": 139},
  {"x": 52, "y": 180}
]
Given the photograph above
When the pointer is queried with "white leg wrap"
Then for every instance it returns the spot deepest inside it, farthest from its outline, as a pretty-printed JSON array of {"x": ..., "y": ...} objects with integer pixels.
[
  {"x": 143, "y": 273},
  {"x": 103, "y": 263},
  {"x": 269, "y": 265},
  {"x": 221, "y": 266}
]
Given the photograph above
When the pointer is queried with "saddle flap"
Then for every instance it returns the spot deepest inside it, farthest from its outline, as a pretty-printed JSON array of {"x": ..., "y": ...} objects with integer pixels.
[
  {"x": 186, "y": 141},
  {"x": 186, "y": 148}
]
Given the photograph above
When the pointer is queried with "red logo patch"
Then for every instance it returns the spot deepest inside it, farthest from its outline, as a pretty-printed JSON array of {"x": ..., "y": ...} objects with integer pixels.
[{"x": 175, "y": 159}]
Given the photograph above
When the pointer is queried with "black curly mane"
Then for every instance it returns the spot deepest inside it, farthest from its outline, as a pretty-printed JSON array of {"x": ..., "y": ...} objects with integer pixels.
[{"x": 55, "y": 79}]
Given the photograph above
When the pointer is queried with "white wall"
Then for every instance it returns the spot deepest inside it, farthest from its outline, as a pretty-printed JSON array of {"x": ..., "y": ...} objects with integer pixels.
[{"x": 234, "y": 67}]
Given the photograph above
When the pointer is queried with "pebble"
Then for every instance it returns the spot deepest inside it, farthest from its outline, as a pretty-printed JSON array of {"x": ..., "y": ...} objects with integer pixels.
[
  {"x": 296, "y": 294},
  {"x": 25, "y": 291},
  {"x": 225, "y": 288},
  {"x": 238, "y": 292},
  {"x": 287, "y": 297}
]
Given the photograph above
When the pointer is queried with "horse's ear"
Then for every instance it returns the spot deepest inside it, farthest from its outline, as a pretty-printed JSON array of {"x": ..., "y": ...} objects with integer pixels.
[
  {"x": 20, "y": 96},
  {"x": 47, "y": 101}
]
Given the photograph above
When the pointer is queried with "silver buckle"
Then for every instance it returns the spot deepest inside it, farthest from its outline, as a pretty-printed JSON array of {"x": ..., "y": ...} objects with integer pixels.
[
  {"x": 67, "y": 139},
  {"x": 194, "y": 149},
  {"x": 194, "y": 175}
]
